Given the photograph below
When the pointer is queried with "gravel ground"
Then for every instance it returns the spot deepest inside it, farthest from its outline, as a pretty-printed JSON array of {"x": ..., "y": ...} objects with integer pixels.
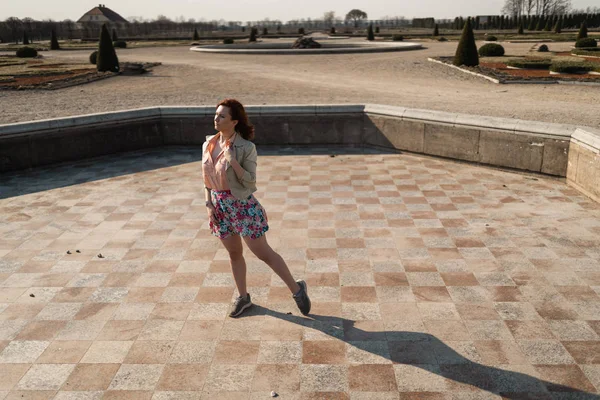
[{"x": 404, "y": 79}]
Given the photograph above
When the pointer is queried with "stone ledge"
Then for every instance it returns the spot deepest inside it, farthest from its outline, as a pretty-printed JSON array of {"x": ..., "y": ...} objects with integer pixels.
[
  {"x": 583, "y": 169},
  {"x": 588, "y": 138},
  {"x": 77, "y": 121},
  {"x": 503, "y": 142}
]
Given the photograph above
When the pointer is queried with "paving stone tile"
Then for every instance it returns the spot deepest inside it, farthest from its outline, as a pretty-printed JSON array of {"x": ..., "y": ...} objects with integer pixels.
[
  {"x": 45, "y": 377},
  {"x": 136, "y": 377},
  {"x": 429, "y": 280}
]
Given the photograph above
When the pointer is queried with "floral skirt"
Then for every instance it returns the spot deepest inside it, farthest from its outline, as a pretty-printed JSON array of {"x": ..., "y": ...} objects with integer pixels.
[{"x": 238, "y": 217}]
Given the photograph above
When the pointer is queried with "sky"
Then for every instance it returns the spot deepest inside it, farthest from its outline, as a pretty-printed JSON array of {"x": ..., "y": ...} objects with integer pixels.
[{"x": 256, "y": 10}]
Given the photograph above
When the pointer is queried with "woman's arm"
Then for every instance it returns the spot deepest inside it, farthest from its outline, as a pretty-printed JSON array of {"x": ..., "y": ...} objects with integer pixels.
[
  {"x": 208, "y": 200},
  {"x": 246, "y": 172}
]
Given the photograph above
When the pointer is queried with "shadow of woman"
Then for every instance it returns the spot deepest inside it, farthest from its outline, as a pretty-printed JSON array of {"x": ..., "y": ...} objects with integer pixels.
[{"x": 425, "y": 351}]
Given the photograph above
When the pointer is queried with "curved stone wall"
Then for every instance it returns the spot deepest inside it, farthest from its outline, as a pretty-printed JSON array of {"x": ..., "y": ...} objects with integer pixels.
[
  {"x": 560, "y": 150},
  {"x": 328, "y": 48}
]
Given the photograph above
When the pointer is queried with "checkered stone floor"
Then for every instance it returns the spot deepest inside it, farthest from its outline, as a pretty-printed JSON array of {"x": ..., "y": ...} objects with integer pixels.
[{"x": 430, "y": 279}]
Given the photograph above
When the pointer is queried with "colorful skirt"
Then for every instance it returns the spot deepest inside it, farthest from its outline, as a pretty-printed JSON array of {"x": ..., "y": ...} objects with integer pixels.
[{"x": 238, "y": 217}]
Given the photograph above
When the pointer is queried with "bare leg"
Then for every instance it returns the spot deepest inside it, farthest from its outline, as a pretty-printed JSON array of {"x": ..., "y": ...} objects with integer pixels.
[
  {"x": 233, "y": 244},
  {"x": 264, "y": 252}
]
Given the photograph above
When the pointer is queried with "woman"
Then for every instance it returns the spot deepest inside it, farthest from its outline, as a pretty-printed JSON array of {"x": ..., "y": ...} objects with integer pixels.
[{"x": 229, "y": 172}]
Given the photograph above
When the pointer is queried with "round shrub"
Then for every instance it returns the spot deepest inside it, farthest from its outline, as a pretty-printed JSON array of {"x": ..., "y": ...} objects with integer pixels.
[
  {"x": 397, "y": 38},
  {"x": 540, "y": 63},
  {"x": 120, "y": 44},
  {"x": 228, "y": 41},
  {"x": 586, "y": 42},
  {"x": 26, "y": 52},
  {"x": 571, "y": 67},
  {"x": 543, "y": 49},
  {"x": 491, "y": 50},
  {"x": 442, "y": 39},
  {"x": 94, "y": 57},
  {"x": 491, "y": 38}
]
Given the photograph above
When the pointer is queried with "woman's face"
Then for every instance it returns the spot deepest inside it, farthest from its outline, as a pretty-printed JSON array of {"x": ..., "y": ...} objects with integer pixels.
[{"x": 223, "y": 121}]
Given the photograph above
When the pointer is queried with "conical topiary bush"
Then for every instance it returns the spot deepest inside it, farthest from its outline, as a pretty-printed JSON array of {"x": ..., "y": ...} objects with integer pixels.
[
  {"x": 196, "y": 36},
  {"x": 436, "y": 30},
  {"x": 107, "y": 57},
  {"x": 540, "y": 24},
  {"x": 25, "y": 38},
  {"x": 54, "y": 42},
  {"x": 558, "y": 26},
  {"x": 370, "y": 34},
  {"x": 466, "y": 52},
  {"x": 520, "y": 32},
  {"x": 114, "y": 35},
  {"x": 582, "y": 31}
]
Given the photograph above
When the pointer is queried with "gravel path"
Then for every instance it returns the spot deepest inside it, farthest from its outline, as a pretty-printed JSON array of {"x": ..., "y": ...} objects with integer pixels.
[{"x": 405, "y": 79}]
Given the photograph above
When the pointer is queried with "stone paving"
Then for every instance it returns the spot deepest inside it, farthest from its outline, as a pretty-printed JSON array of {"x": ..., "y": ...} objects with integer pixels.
[{"x": 430, "y": 279}]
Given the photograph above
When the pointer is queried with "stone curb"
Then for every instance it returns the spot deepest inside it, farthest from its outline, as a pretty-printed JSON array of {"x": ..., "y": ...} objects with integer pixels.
[
  {"x": 373, "y": 48},
  {"x": 464, "y": 70},
  {"x": 541, "y": 129}
]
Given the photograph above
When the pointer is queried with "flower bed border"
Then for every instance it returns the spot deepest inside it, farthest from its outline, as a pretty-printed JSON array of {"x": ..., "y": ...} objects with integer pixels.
[{"x": 499, "y": 78}]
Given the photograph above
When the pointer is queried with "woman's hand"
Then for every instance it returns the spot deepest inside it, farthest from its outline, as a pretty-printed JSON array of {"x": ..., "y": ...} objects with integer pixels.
[
  {"x": 212, "y": 213},
  {"x": 228, "y": 152}
]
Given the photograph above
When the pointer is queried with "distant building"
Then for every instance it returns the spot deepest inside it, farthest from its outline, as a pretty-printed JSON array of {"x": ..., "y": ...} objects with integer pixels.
[
  {"x": 101, "y": 15},
  {"x": 485, "y": 19},
  {"x": 423, "y": 22}
]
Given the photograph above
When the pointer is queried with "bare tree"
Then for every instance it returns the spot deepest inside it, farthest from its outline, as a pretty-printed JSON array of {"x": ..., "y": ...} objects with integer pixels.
[
  {"x": 14, "y": 24},
  {"x": 537, "y": 7},
  {"x": 552, "y": 7},
  {"x": 513, "y": 7},
  {"x": 329, "y": 17}
]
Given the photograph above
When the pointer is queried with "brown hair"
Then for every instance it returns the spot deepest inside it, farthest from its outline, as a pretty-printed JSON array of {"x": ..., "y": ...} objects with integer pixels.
[{"x": 238, "y": 113}]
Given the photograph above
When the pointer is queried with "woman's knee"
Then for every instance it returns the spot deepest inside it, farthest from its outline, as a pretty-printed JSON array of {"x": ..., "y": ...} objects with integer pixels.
[{"x": 235, "y": 255}]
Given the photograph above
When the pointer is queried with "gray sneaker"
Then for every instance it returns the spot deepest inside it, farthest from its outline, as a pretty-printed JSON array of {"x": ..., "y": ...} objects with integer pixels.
[
  {"x": 302, "y": 300},
  {"x": 240, "y": 305}
]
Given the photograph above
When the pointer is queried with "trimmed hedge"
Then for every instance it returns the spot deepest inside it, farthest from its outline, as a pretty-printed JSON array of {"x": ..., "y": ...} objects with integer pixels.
[
  {"x": 594, "y": 52},
  {"x": 586, "y": 42},
  {"x": 397, "y": 38},
  {"x": 54, "y": 41},
  {"x": 491, "y": 50},
  {"x": 120, "y": 44},
  {"x": 571, "y": 67},
  {"x": 491, "y": 38},
  {"x": 370, "y": 34},
  {"x": 107, "y": 59},
  {"x": 26, "y": 52},
  {"x": 94, "y": 57},
  {"x": 466, "y": 51},
  {"x": 530, "y": 64},
  {"x": 543, "y": 49},
  {"x": 583, "y": 33},
  {"x": 228, "y": 41}
]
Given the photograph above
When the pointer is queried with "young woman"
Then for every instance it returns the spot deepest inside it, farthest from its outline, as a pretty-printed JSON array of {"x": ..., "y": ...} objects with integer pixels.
[{"x": 229, "y": 172}]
